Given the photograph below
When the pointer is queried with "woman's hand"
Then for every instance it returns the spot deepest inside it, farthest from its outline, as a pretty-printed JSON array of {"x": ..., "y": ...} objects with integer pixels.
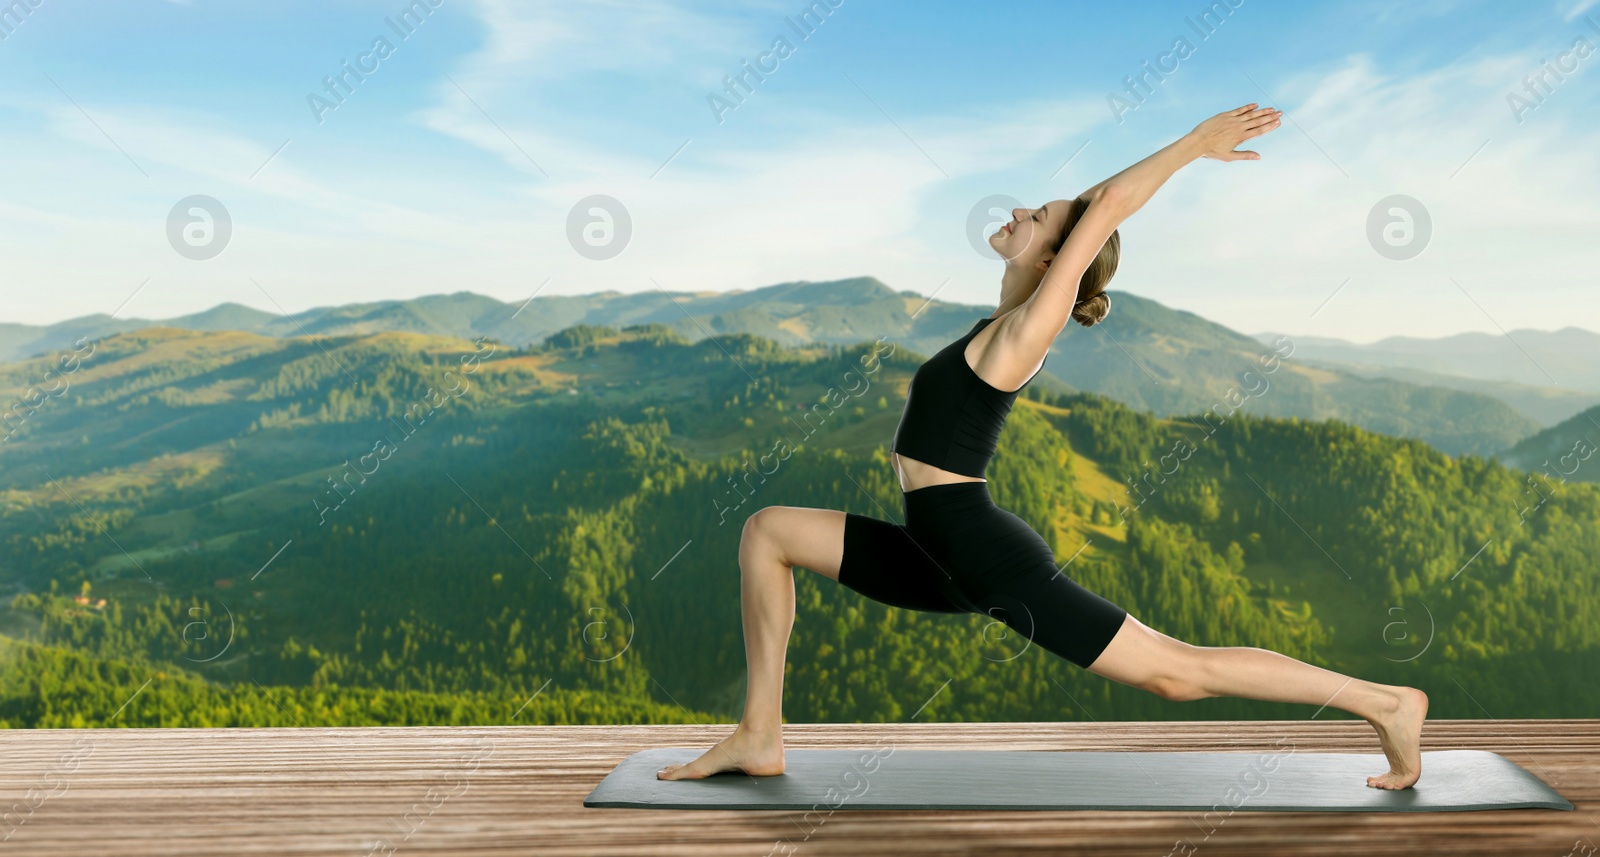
[{"x": 1217, "y": 136}]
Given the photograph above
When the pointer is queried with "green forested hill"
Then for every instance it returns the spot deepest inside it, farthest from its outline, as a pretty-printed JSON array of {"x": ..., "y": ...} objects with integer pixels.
[
  {"x": 1562, "y": 452},
  {"x": 399, "y": 528}
]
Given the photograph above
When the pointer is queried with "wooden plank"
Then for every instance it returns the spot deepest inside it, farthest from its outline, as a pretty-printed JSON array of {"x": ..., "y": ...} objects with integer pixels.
[{"x": 519, "y": 790}]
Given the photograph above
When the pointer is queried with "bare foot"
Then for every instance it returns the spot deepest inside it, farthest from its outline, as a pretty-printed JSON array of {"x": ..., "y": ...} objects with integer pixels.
[
  {"x": 757, "y": 754},
  {"x": 1400, "y": 731}
]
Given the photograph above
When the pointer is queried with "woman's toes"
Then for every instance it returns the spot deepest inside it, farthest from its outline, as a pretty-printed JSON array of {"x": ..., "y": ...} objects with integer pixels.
[{"x": 1391, "y": 781}]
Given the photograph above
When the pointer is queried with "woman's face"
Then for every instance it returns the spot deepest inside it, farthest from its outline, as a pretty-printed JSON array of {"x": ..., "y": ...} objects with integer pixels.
[{"x": 1026, "y": 238}]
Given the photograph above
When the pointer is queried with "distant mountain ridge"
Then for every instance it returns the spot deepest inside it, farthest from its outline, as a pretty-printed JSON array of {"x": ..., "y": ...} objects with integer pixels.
[
  {"x": 841, "y": 308},
  {"x": 1146, "y": 355},
  {"x": 1565, "y": 357}
]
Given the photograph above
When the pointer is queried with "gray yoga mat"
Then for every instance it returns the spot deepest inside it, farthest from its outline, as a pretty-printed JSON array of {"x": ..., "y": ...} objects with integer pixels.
[{"x": 900, "y": 779}]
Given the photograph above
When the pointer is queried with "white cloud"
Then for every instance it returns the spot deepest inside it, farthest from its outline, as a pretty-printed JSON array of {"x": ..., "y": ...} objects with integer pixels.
[
  {"x": 1260, "y": 245},
  {"x": 1575, "y": 8}
]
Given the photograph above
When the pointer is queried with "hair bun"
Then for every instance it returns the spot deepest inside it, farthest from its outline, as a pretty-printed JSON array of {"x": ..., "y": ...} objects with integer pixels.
[{"x": 1091, "y": 311}]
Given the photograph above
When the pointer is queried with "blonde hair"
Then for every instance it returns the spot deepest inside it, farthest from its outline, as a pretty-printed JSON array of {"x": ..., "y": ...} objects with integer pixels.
[{"x": 1093, "y": 304}]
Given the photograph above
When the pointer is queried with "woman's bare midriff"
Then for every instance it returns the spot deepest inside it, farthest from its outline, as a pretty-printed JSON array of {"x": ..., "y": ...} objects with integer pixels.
[{"x": 916, "y": 474}]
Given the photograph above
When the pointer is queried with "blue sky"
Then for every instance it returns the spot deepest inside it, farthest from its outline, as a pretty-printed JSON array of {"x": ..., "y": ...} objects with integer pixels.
[{"x": 453, "y": 165}]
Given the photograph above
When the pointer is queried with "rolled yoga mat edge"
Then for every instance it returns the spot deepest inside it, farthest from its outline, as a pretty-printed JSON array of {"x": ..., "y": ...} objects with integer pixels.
[{"x": 899, "y": 779}]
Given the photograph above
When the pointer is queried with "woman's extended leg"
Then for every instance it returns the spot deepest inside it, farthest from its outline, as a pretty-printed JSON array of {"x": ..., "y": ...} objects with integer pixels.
[
  {"x": 775, "y": 539},
  {"x": 1172, "y": 669}
]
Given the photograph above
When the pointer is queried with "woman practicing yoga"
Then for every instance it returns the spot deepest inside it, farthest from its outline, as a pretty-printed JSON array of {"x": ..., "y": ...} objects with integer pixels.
[{"x": 959, "y": 553}]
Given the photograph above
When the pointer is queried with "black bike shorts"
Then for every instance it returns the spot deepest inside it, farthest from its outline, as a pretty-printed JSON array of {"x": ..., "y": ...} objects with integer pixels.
[{"x": 960, "y": 553}]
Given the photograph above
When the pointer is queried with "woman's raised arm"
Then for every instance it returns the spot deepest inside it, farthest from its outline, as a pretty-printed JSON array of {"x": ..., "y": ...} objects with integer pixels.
[
  {"x": 1215, "y": 138},
  {"x": 1048, "y": 310}
]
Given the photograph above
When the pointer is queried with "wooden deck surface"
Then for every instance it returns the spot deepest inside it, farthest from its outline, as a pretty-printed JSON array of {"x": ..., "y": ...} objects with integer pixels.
[{"x": 520, "y": 790}]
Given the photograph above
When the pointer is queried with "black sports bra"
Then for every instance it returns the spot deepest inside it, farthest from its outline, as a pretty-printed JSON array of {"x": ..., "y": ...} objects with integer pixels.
[{"x": 952, "y": 418}]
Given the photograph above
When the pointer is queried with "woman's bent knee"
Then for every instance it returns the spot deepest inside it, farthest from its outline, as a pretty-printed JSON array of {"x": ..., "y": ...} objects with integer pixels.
[
  {"x": 758, "y": 529},
  {"x": 794, "y": 536}
]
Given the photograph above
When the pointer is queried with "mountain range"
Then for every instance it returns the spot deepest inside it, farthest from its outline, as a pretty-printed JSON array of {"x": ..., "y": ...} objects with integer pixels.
[
  {"x": 1557, "y": 358},
  {"x": 1149, "y": 356},
  {"x": 1546, "y": 375}
]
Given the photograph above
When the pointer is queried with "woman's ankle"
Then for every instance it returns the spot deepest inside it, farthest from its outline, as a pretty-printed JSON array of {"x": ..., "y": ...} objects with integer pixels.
[
  {"x": 1379, "y": 701},
  {"x": 761, "y": 730}
]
